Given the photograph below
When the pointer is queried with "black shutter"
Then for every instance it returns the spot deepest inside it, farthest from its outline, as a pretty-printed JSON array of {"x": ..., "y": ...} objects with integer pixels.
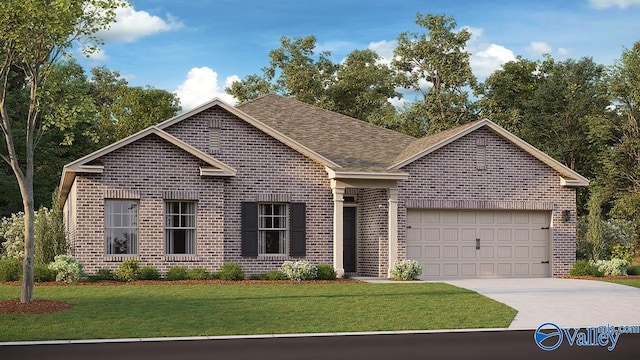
[
  {"x": 298, "y": 220},
  {"x": 249, "y": 229}
]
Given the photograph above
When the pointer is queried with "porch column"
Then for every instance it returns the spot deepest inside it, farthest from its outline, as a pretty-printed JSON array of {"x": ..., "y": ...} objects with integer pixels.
[
  {"x": 338, "y": 229},
  {"x": 393, "y": 228}
]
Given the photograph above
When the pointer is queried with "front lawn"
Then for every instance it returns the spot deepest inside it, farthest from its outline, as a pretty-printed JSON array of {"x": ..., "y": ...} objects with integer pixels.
[
  {"x": 128, "y": 311},
  {"x": 630, "y": 282}
]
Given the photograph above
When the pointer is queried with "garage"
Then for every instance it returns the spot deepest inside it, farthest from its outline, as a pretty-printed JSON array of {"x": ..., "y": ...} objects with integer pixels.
[{"x": 479, "y": 243}]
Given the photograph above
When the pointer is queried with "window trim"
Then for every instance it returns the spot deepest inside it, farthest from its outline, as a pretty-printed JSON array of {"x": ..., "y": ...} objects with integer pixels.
[
  {"x": 283, "y": 231},
  {"x": 193, "y": 229},
  {"x": 107, "y": 216}
]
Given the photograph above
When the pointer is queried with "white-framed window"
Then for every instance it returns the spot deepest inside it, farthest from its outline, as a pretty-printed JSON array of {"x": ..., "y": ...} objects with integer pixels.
[
  {"x": 121, "y": 226},
  {"x": 272, "y": 228},
  {"x": 180, "y": 227}
]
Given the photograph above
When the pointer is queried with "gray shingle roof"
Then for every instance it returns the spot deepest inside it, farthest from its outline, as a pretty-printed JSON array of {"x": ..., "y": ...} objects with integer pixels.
[{"x": 348, "y": 142}]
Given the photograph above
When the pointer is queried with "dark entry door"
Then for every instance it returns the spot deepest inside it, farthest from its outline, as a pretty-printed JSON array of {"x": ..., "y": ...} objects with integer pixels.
[{"x": 349, "y": 239}]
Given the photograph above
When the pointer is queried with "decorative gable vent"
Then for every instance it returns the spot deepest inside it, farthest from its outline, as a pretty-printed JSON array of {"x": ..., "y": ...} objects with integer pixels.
[
  {"x": 214, "y": 135},
  {"x": 481, "y": 153}
]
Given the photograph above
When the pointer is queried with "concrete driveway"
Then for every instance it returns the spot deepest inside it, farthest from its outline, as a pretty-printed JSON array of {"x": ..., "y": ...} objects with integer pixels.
[{"x": 565, "y": 302}]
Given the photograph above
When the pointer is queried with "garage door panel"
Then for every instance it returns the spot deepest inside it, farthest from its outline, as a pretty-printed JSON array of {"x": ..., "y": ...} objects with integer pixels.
[
  {"x": 469, "y": 252},
  {"x": 521, "y": 252},
  {"x": 487, "y": 269},
  {"x": 504, "y": 234},
  {"x": 432, "y": 252},
  {"x": 415, "y": 252},
  {"x": 487, "y": 235},
  {"x": 504, "y": 269},
  {"x": 504, "y": 252},
  {"x": 539, "y": 252},
  {"x": 431, "y": 234},
  {"x": 512, "y": 243},
  {"x": 450, "y": 269},
  {"x": 468, "y": 269},
  {"x": 431, "y": 270},
  {"x": 450, "y": 235},
  {"x": 522, "y": 269}
]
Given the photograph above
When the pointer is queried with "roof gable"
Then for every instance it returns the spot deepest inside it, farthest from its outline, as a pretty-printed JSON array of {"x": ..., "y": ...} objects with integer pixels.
[
  {"x": 424, "y": 146},
  {"x": 83, "y": 165}
]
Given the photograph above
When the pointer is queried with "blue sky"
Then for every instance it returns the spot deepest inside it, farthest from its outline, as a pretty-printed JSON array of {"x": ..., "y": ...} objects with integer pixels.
[{"x": 195, "y": 47}]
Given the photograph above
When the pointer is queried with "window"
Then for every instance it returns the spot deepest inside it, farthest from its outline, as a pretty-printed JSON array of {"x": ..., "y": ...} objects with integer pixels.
[
  {"x": 121, "y": 226},
  {"x": 272, "y": 229},
  {"x": 180, "y": 227}
]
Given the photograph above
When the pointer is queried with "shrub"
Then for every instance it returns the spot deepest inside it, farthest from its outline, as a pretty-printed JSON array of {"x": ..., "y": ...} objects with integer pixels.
[
  {"x": 584, "y": 268},
  {"x": 624, "y": 252},
  {"x": 12, "y": 236},
  {"x": 605, "y": 235},
  {"x": 102, "y": 275},
  {"x": 275, "y": 275},
  {"x": 326, "y": 272},
  {"x": 128, "y": 270},
  {"x": 299, "y": 270},
  {"x": 67, "y": 268},
  {"x": 633, "y": 270},
  {"x": 257, "y": 277},
  {"x": 10, "y": 269},
  {"x": 198, "y": 273},
  {"x": 148, "y": 272},
  {"x": 406, "y": 270},
  {"x": 42, "y": 273},
  {"x": 231, "y": 271},
  {"x": 612, "y": 267},
  {"x": 177, "y": 273}
]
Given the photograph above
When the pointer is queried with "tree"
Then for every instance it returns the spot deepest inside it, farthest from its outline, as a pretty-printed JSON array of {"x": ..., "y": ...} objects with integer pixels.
[
  {"x": 436, "y": 67},
  {"x": 362, "y": 88},
  {"x": 294, "y": 70},
  {"x": 34, "y": 34},
  {"x": 549, "y": 104},
  {"x": 619, "y": 132}
]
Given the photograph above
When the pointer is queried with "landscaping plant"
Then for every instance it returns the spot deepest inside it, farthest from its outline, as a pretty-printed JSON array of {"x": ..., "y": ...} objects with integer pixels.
[
  {"x": 326, "y": 272},
  {"x": 299, "y": 270},
  {"x": 149, "y": 272},
  {"x": 230, "y": 271},
  {"x": 406, "y": 270},
  {"x": 177, "y": 273},
  {"x": 67, "y": 268},
  {"x": 198, "y": 273},
  {"x": 129, "y": 270}
]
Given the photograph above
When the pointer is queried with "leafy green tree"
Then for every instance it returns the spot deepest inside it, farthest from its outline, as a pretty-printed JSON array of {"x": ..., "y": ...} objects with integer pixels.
[
  {"x": 362, "y": 88},
  {"x": 436, "y": 66},
  {"x": 359, "y": 87},
  {"x": 34, "y": 34},
  {"x": 550, "y": 104},
  {"x": 619, "y": 132}
]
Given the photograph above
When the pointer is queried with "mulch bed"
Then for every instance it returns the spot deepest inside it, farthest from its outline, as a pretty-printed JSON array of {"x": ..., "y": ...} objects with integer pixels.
[{"x": 14, "y": 306}]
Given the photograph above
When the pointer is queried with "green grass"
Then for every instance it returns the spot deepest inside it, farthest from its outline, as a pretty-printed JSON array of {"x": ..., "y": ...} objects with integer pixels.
[
  {"x": 629, "y": 282},
  {"x": 208, "y": 310}
]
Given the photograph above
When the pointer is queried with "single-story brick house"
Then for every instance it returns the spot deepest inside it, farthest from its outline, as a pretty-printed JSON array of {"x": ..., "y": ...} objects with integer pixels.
[{"x": 276, "y": 179}]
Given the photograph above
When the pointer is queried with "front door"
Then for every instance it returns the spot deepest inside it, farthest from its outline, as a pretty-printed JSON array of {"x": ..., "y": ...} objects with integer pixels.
[{"x": 349, "y": 239}]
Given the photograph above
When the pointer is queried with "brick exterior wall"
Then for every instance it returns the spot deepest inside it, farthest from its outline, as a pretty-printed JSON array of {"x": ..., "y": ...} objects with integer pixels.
[
  {"x": 151, "y": 171},
  {"x": 372, "y": 239},
  {"x": 513, "y": 179},
  {"x": 150, "y": 168}
]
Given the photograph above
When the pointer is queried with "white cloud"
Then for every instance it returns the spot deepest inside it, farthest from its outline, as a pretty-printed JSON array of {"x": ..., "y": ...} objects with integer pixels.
[
  {"x": 98, "y": 55},
  {"x": 201, "y": 85},
  {"x": 622, "y": 4},
  {"x": 539, "y": 48},
  {"x": 564, "y": 51},
  {"x": 131, "y": 25},
  {"x": 484, "y": 62},
  {"x": 384, "y": 49}
]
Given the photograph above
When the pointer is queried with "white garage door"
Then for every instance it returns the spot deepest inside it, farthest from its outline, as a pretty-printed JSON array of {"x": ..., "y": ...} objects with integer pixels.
[{"x": 479, "y": 243}]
